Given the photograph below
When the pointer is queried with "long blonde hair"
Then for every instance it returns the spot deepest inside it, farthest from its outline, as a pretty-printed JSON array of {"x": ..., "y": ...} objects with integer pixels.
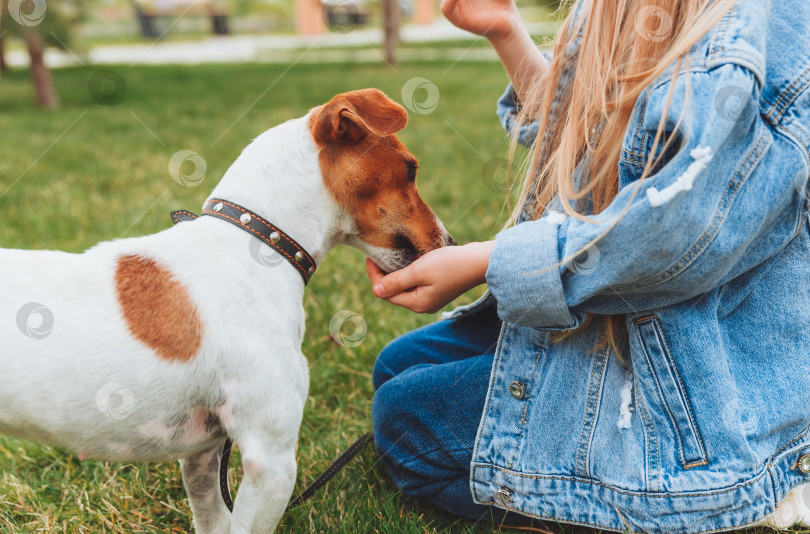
[{"x": 622, "y": 46}]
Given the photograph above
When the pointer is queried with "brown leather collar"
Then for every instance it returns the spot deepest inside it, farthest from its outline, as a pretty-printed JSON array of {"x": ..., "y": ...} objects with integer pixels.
[{"x": 255, "y": 225}]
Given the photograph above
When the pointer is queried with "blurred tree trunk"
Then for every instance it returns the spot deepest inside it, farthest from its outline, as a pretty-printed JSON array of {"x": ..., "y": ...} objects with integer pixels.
[
  {"x": 44, "y": 92},
  {"x": 3, "y": 64},
  {"x": 391, "y": 19}
]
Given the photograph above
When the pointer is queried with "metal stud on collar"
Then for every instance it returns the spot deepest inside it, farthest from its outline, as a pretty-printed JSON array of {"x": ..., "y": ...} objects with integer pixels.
[{"x": 253, "y": 223}]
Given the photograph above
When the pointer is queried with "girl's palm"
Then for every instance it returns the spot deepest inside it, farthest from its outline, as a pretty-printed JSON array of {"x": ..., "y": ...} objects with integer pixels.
[{"x": 488, "y": 18}]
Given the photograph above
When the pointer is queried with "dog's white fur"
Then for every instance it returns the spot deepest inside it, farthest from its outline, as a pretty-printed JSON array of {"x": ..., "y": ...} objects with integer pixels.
[{"x": 92, "y": 388}]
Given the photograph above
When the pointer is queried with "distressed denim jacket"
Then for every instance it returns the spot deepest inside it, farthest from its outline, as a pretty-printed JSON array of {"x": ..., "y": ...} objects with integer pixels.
[{"x": 705, "y": 425}]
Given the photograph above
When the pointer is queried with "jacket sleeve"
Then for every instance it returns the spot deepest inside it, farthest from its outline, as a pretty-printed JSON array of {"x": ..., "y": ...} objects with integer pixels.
[
  {"x": 508, "y": 109},
  {"x": 680, "y": 232}
]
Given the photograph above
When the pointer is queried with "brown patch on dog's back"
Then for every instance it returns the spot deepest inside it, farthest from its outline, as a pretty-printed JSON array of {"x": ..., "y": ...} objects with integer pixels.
[{"x": 157, "y": 308}]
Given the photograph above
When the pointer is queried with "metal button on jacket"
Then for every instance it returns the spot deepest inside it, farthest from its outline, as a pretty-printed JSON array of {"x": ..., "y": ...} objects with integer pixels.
[
  {"x": 518, "y": 390},
  {"x": 804, "y": 464}
]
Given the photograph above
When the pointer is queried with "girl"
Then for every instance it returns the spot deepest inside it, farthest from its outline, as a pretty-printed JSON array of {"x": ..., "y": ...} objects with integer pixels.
[{"x": 641, "y": 360}]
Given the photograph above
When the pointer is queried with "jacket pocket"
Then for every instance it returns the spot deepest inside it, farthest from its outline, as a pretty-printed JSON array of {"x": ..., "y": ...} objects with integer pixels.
[{"x": 667, "y": 384}]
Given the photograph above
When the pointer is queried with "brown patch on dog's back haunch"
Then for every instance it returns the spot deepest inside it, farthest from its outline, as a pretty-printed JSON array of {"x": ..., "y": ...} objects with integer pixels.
[{"x": 157, "y": 308}]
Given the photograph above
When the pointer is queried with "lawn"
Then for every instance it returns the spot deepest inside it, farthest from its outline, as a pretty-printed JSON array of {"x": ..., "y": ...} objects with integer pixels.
[{"x": 91, "y": 172}]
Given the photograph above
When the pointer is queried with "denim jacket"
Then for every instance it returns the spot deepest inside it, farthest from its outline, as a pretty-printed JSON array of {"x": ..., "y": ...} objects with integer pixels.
[{"x": 704, "y": 426}]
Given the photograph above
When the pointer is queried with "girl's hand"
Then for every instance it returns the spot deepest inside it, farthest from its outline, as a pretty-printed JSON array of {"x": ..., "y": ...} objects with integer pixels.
[
  {"x": 499, "y": 21},
  {"x": 434, "y": 280},
  {"x": 494, "y": 19}
]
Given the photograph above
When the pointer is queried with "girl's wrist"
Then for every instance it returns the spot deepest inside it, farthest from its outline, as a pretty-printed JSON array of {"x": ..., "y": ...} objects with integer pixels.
[
  {"x": 479, "y": 259},
  {"x": 509, "y": 37}
]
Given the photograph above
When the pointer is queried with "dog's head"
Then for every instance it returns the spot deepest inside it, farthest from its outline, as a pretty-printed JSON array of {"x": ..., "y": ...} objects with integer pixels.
[{"x": 372, "y": 177}]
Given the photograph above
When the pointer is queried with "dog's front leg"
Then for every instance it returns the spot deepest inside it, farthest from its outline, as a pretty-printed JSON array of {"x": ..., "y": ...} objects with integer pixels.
[
  {"x": 201, "y": 478},
  {"x": 269, "y": 477}
]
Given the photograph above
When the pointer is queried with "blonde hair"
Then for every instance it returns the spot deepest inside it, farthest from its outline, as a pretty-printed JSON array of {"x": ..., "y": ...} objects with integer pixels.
[{"x": 622, "y": 46}]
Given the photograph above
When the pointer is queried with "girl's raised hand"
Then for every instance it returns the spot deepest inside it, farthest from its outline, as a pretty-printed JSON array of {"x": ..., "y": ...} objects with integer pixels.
[{"x": 493, "y": 19}]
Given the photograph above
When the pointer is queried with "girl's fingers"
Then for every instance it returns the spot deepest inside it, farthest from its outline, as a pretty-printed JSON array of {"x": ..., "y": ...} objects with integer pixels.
[
  {"x": 409, "y": 300},
  {"x": 374, "y": 272},
  {"x": 388, "y": 285},
  {"x": 395, "y": 283}
]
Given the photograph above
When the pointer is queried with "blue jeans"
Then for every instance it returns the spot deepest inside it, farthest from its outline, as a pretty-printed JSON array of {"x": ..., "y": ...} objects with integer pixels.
[{"x": 431, "y": 385}]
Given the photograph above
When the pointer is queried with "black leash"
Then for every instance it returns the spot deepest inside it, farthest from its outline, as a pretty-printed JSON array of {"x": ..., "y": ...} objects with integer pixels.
[
  {"x": 273, "y": 237},
  {"x": 347, "y": 456}
]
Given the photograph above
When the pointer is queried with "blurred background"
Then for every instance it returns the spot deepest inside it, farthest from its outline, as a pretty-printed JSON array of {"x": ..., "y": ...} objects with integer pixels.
[{"x": 115, "y": 112}]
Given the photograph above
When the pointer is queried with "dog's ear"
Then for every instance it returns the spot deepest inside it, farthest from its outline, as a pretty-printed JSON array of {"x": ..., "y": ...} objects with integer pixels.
[{"x": 349, "y": 117}]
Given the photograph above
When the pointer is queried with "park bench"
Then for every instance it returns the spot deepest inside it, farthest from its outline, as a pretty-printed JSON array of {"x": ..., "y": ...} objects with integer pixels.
[{"x": 148, "y": 10}]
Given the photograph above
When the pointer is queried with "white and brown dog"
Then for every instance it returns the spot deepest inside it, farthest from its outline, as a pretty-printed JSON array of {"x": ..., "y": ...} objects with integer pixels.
[{"x": 160, "y": 347}]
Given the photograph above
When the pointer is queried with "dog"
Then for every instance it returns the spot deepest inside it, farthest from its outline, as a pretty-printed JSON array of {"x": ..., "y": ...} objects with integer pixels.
[{"x": 161, "y": 347}]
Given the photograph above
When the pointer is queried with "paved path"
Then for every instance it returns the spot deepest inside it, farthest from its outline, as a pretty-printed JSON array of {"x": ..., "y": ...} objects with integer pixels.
[{"x": 362, "y": 45}]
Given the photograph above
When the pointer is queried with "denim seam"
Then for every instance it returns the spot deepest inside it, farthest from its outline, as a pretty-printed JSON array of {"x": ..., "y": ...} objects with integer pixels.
[
  {"x": 528, "y": 394},
  {"x": 806, "y": 204},
  {"x": 724, "y": 24},
  {"x": 766, "y": 471},
  {"x": 793, "y": 135},
  {"x": 549, "y": 518},
  {"x": 638, "y": 140},
  {"x": 703, "y": 241},
  {"x": 645, "y": 420},
  {"x": 675, "y": 428},
  {"x": 422, "y": 455},
  {"x": 620, "y": 491},
  {"x": 802, "y": 434},
  {"x": 687, "y": 402},
  {"x": 722, "y": 40},
  {"x": 790, "y": 94},
  {"x": 591, "y": 415},
  {"x": 602, "y": 527},
  {"x": 640, "y": 158},
  {"x": 597, "y": 405},
  {"x": 493, "y": 378},
  {"x": 769, "y": 465},
  {"x": 667, "y": 409},
  {"x": 584, "y": 419}
]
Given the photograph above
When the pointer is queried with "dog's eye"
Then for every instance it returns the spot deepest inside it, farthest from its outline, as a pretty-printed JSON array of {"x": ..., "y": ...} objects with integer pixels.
[{"x": 412, "y": 173}]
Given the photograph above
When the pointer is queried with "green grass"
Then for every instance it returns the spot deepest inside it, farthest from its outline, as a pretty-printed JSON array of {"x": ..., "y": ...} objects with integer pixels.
[
  {"x": 107, "y": 177},
  {"x": 88, "y": 173}
]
